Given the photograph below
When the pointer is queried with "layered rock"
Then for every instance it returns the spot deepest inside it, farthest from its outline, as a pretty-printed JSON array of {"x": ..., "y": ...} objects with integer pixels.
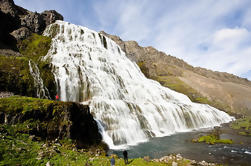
[{"x": 222, "y": 90}]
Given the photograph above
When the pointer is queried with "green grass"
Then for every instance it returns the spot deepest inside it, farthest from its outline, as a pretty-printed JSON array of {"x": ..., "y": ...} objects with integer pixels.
[
  {"x": 18, "y": 148},
  {"x": 176, "y": 84},
  {"x": 21, "y": 104}
]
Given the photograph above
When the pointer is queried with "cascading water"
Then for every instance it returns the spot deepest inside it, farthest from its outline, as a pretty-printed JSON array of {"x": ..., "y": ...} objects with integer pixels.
[
  {"x": 129, "y": 108},
  {"x": 42, "y": 91}
]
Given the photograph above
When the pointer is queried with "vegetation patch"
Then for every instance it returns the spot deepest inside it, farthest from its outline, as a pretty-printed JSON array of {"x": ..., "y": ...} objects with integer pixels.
[
  {"x": 176, "y": 84},
  {"x": 35, "y": 46},
  {"x": 243, "y": 125},
  {"x": 14, "y": 71},
  {"x": 18, "y": 148},
  {"x": 212, "y": 139},
  {"x": 144, "y": 69},
  {"x": 15, "y": 76}
]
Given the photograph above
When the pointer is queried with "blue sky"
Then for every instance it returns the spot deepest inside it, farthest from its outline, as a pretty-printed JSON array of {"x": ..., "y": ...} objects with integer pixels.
[{"x": 215, "y": 34}]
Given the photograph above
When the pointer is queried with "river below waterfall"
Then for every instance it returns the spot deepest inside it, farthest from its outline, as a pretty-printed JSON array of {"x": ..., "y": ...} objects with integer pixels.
[{"x": 238, "y": 153}]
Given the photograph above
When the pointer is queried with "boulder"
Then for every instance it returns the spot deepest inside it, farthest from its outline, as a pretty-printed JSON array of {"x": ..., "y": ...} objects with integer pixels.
[{"x": 21, "y": 33}]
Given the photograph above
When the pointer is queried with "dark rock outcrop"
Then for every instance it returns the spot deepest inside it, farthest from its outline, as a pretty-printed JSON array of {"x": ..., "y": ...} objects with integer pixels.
[
  {"x": 18, "y": 23},
  {"x": 51, "y": 120},
  {"x": 8, "y": 7},
  {"x": 7, "y": 25},
  {"x": 33, "y": 21},
  {"x": 50, "y": 16}
]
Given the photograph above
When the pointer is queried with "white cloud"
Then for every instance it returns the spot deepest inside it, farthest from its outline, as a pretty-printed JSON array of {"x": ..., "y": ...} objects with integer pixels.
[
  {"x": 230, "y": 36},
  {"x": 200, "y": 32}
]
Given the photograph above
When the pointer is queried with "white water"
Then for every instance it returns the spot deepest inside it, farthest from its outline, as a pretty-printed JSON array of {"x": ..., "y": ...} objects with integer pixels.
[
  {"x": 129, "y": 108},
  {"x": 42, "y": 91}
]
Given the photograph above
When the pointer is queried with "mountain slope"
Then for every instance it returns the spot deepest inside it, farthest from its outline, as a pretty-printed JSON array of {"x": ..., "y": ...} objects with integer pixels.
[{"x": 222, "y": 90}]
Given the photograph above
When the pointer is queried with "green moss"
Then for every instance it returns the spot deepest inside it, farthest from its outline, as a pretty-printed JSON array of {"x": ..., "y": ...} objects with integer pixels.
[
  {"x": 212, "y": 139},
  {"x": 243, "y": 125},
  {"x": 35, "y": 46},
  {"x": 14, "y": 71},
  {"x": 176, "y": 84},
  {"x": 15, "y": 76},
  {"x": 144, "y": 68}
]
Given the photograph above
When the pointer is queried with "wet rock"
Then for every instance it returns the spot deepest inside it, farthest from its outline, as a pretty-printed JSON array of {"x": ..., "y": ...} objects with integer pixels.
[{"x": 50, "y": 16}]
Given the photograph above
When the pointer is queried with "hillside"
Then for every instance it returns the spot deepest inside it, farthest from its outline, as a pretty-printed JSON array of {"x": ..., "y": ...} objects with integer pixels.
[{"x": 222, "y": 90}]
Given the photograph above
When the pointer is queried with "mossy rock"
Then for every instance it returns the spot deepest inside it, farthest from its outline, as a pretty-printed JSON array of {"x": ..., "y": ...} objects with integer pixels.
[
  {"x": 14, "y": 71},
  {"x": 15, "y": 76},
  {"x": 50, "y": 119}
]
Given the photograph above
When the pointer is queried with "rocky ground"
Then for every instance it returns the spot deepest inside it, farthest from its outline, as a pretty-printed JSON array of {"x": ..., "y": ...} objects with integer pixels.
[{"x": 177, "y": 159}]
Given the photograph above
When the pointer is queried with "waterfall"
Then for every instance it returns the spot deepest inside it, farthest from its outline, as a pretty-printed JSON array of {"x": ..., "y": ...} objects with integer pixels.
[
  {"x": 129, "y": 108},
  {"x": 42, "y": 91}
]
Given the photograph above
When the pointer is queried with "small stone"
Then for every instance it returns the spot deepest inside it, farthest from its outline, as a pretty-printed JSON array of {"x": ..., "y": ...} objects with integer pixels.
[
  {"x": 147, "y": 158},
  {"x": 174, "y": 164},
  {"x": 48, "y": 163}
]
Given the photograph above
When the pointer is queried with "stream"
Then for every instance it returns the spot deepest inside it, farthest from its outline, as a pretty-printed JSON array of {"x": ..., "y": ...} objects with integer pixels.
[{"x": 238, "y": 153}]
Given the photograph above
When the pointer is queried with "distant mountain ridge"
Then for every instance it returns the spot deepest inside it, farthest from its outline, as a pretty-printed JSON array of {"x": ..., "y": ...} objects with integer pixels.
[{"x": 220, "y": 89}]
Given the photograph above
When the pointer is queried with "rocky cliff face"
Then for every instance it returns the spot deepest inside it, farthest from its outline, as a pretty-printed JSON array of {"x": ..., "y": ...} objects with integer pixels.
[
  {"x": 18, "y": 23},
  {"x": 222, "y": 90}
]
